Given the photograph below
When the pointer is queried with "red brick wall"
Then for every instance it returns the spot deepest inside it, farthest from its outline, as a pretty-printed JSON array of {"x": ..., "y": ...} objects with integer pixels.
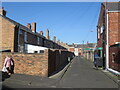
[
  {"x": 119, "y": 27},
  {"x": 114, "y": 64},
  {"x": 39, "y": 64},
  {"x": 113, "y": 27},
  {"x": 7, "y": 35},
  {"x": 31, "y": 64},
  {"x": 99, "y": 42}
]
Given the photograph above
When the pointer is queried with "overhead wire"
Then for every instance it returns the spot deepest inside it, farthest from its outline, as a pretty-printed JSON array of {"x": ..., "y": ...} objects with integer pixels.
[{"x": 91, "y": 25}]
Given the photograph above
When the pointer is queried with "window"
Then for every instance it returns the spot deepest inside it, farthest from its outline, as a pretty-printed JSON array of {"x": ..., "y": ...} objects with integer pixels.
[
  {"x": 98, "y": 33},
  {"x": 20, "y": 32},
  {"x": 38, "y": 40},
  {"x": 113, "y": 57},
  {"x": 41, "y": 51},
  {"x": 102, "y": 28},
  {"x": 25, "y": 36},
  {"x": 35, "y": 51}
]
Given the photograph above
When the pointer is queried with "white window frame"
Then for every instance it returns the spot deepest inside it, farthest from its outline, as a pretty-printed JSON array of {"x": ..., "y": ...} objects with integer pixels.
[{"x": 98, "y": 33}]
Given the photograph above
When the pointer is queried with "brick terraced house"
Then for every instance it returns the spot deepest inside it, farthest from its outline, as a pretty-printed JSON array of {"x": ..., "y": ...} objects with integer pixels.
[
  {"x": 19, "y": 38},
  {"x": 33, "y": 53},
  {"x": 85, "y": 50},
  {"x": 108, "y": 36}
]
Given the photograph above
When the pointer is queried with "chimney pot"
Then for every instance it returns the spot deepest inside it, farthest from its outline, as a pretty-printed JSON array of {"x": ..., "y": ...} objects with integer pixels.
[
  {"x": 2, "y": 11},
  {"x": 29, "y": 25},
  {"x": 54, "y": 38},
  {"x": 41, "y": 33}
]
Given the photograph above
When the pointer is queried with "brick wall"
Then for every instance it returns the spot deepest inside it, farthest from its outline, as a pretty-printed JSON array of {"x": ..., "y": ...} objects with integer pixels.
[
  {"x": 99, "y": 42},
  {"x": 119, "y": 27},
  {"x": 31, "y": 64},
  {"x": 114, "y": 62},
  {"x": 113, "y": 27},
  {"x": 58, "y": 59},
  {"x": 7, "y": 35},
  {"x": 39, "y": 64}
]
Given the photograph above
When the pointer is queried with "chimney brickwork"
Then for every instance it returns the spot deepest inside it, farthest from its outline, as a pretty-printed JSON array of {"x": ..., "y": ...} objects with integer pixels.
[
  {"x": 54, "y": 38},
  {"x": 47, "y": 34},
  {"x": 34, "y": 27}
]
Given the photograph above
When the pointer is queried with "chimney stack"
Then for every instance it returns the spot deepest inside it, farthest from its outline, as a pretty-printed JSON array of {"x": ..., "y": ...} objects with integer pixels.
[
  {"x": 73, "y": 44},
  {"x": 29, "y": 25},
  {"x": 47, "y": 34},
  {"x": 2, "y": 11},
  {"x": 54, "y": 38},
  {"x": 58, "y": 42},
  {"x": 41, "y": 33},
  {"x": 34, "y": 27}
]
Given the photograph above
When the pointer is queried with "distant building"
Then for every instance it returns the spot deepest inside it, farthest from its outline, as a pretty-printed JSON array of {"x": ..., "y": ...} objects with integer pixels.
[
  {"x": 108, "y": 36},
  {"x": 82, "y": 49},
  {"x": 18, "y": 38}
]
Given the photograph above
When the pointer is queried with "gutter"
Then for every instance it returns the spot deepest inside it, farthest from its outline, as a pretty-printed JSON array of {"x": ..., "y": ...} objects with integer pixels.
[{"x": 113, "y": 11}]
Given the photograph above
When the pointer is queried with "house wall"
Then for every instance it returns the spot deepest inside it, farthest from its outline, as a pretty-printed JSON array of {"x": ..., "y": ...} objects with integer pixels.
[
  {"x": 13, "y": 37},
  {"x": 31, "y": 39},
  {"x": 113, "y": 25},
  {"x": 7, "y": 35},
  {"x": 114, "y": 61},
  {"x": 113, "y": 31},
  {"x": 101, "y": 22},
  {"x": 99, "y": 41}
]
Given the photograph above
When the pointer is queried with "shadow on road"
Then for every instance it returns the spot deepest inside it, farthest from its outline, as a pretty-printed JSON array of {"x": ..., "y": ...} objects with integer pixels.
[
  {"x": 7, "y": 88},
  {"x": 4, "y": 76},
  {"x": 60, "y": 69}
]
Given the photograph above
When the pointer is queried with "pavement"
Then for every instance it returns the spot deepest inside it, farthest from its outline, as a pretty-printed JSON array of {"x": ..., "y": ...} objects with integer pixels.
[{"x": 79, "y": 73}]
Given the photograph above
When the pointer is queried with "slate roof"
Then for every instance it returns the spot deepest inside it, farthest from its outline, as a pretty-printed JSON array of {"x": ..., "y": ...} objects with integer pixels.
[
  {"x": 21, "y": 26},
  {"x": 12, "y": 21},
  {"x": 113, "y": 6}
]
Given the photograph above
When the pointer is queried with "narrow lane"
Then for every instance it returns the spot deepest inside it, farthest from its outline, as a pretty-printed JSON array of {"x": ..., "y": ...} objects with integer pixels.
[{"x": 81, "y": 74}]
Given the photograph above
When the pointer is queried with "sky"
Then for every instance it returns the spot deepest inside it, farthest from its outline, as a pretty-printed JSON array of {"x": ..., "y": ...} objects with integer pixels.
[{"x": 70, "y": 22}]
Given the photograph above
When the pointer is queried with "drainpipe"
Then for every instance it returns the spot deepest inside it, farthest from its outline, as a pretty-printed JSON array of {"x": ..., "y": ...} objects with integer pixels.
[
  {"x": 18, "y": 39},
  {"x": 107, "y": 43}
]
